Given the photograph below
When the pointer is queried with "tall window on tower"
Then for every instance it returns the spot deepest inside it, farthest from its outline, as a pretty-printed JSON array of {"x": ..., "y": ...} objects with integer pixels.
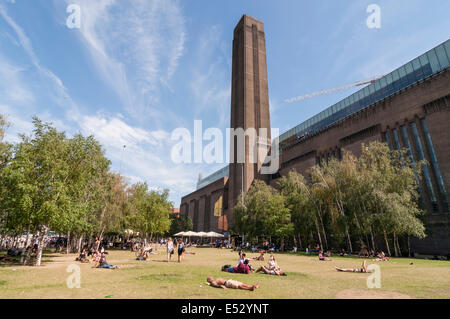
[
  {"x": 434, "y": 162},
  {"x": 424, "y": 167}
]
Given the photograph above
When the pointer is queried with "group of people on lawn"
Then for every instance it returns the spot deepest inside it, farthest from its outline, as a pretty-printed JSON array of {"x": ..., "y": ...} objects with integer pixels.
[{"x": 97, "y": 254}]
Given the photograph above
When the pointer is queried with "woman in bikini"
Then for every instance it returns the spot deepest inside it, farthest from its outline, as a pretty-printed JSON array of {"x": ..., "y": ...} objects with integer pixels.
[
  {"x": 272, "y": 269},
  {"x": 363, "y": 269},
  {"x": 322, "y": 257}
]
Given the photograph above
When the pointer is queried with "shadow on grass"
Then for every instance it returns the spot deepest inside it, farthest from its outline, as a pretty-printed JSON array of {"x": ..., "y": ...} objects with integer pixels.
[{"x": 10, "y": 261}]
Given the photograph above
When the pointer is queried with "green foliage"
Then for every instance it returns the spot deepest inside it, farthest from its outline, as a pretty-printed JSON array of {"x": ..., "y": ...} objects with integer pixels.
[
  {"x": 150, "y": 210},
  {"x": 51, "y": 182},
  {"x": 354, "y": 198},
  {"x": 179, "y": 224},
  {"x": 264, "y": 213}
]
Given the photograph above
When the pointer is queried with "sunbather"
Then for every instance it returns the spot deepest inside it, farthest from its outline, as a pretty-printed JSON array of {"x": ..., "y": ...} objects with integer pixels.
[
  {"x": 363, "y": 269},
  {"x": 230, "y": 283}
]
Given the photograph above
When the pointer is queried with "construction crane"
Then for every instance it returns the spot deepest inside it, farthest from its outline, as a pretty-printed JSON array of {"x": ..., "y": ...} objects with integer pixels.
[{"x": 336, "y": 89}]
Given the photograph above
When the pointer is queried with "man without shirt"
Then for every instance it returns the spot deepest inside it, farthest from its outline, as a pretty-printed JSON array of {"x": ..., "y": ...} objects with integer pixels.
[{"x": 230, "y": 283}]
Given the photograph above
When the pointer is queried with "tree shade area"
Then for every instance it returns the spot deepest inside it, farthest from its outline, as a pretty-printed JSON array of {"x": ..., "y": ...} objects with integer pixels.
[{"x": 368, "y": 200}]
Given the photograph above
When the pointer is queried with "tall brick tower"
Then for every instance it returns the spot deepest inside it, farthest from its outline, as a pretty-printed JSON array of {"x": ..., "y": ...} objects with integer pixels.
[{"x": 249, "y": 101}]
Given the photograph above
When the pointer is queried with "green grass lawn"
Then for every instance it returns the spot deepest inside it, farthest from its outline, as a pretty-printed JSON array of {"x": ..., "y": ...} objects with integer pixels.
[{"x": 307, "y": 278}]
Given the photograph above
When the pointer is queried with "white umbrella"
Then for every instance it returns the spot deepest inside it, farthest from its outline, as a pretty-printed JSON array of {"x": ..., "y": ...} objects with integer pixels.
[
  {"x": 201, "y": 234},
  {"x": 190, "y": 233},
  {"x": 181, "y": 233},
  {"x": 214, "y": 234}
]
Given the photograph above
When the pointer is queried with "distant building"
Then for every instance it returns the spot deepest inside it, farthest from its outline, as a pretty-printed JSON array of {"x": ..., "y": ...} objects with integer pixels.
[
  {"x": 407, "y": 108},
  {"x": 175, "y": 212}
]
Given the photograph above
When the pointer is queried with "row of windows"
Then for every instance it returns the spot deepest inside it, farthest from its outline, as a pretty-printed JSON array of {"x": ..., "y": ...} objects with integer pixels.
[
  {"x": 326, "y": 157},
  {"x": 423, "y": 66},
  {"x": 421, "y": 156}
]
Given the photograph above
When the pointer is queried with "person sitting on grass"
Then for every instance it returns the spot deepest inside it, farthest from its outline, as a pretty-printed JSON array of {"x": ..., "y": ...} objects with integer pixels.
[
  {"x": 260, "y": 257},
  {"x": 242, "y": 257},
  {"x": 242, "y": 268},
  {"x": 275, "y": 272},
  {"x": 103, "y": 264},
  {"x": 381, "y": 257},
  {"x": 230, "y": 283},
  {"x": 342, "y": 253},
  {"x": 272, "y": 269},
  {"x": 145, "y": 252},
  {"x": 363, "y": 269},
  {"x": 322, "y": 257},
  {"x": 82, "y": 257}
]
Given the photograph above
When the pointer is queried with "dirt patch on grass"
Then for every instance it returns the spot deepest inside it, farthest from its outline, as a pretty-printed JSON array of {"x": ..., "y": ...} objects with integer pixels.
[{"x": 370, "y": 294}]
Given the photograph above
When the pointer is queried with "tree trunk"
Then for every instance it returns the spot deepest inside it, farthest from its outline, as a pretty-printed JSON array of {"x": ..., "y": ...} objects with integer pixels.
[
  {"x": 373, "y": 240},
  {"x": 22, "y": 255},
  {"x": 318, "y": 233},
  {"x": 300, "y": 242},
  {"x": 27, "y": 258},
  {"x": 68, "y": 242},
  {"x": 409, "y": 247},
  {"x": 387, "y": 243},
  {"x": 324, "y": 233},
  {"x": 41, "y": 242},
  {"x": 395, "y": 246},
  {"x": 398, "y": 246},
  {"x": 282, "y": 244},
  {"x": 90, "y": 240},
  {"x": 368, "y": 243},
  {"x": 79, "y": 243},
  {"x": 350, "y": 247}
]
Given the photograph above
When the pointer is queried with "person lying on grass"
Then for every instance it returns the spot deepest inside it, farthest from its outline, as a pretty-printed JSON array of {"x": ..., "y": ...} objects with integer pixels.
[
  {"x": 230, "y": 283},
  {"x": 103, "y": 264},
  {"x": 322, "y": 257},
  {"x": 242, "y": 268},
  {"x": 363, "y": 269}
]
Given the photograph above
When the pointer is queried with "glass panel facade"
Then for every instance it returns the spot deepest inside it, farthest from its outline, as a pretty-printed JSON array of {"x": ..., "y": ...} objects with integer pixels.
[
  {"x": 397, "y": 144},
  {"x": 433, "y": 61},
  {"x": 407, "y": 144},
  {"x": 442, "y": 57},
  {"x": 388, "y": 140},
  {"x": 424, "y": 167},
  {"x": 434, "y": 162},
  {"x": 418, "y": 69},
  {"x": 396, "y": 140},
  {"x": 223, "y": 172}
]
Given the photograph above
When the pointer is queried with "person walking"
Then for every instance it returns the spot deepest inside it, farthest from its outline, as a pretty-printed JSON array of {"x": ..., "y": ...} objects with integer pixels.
[
  {"x": 180, "y": 250},
  {"x": 169, "y": 246}
]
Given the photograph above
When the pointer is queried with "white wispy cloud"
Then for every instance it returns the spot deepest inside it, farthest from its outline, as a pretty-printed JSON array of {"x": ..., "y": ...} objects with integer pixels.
[
  {"x": 136, "y": 47},
  {"x": 58, "y": 92},
  {"x": 12, "y": 88},
  {"x": 145, "y": 155}
]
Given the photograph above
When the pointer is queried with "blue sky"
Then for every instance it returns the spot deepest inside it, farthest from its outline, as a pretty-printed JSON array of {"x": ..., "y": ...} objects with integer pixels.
[{"x": 136, "y": 70}]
